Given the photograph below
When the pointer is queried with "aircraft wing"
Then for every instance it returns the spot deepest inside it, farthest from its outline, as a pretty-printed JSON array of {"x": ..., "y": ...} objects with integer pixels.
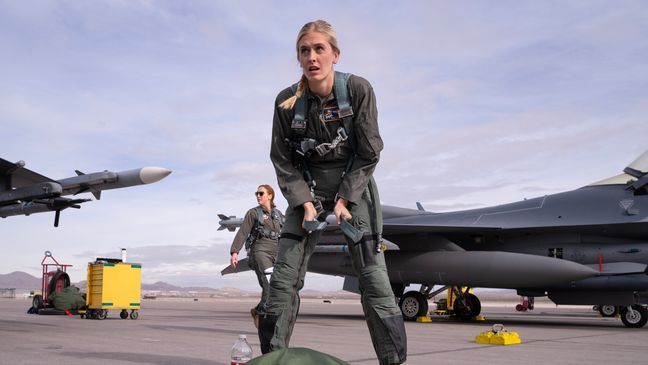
[
  {"x": 25, "y": 192},
  {"x": 20, "y": 176}
]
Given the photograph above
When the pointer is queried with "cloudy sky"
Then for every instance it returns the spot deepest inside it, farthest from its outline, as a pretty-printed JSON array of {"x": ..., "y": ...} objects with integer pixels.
[{"x": 480, "y": 103}]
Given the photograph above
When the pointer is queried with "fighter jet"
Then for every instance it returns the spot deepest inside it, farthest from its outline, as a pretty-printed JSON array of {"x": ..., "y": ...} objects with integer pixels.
[
  {"x": 586, "y": 246},
  {"x": 24, "y": 192}
]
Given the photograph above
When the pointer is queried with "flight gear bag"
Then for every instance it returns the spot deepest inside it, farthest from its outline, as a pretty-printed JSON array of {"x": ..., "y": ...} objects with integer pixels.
[{"x": 350, "y": 231}]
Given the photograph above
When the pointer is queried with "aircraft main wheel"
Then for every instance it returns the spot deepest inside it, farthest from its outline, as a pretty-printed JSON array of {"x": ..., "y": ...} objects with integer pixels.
[
  {"x": 636, "y": 317},
  {"x": 467, "y": 309},
  {"x": 413, "y": 304},
  {"x": 123, "y": 314},
  {"x": 37, "y": 302},
  {"x": 608, "y": 310}
]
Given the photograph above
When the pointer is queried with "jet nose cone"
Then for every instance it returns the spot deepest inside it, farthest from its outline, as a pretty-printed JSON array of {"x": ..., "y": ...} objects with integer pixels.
[{"x": 150, "y": 175}]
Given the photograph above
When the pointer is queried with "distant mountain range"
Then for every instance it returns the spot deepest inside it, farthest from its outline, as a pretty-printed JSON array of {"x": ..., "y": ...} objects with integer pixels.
[{"x": 22, "y": 280}]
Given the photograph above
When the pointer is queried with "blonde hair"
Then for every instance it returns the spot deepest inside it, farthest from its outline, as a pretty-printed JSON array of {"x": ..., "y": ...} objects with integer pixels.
[
  {"x": 319, "y": 26},
  {"x": 270, "y": 191}
]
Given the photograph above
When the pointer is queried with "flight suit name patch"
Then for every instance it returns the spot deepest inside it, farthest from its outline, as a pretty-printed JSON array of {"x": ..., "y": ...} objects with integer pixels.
[{"x": 330, "y": 114}]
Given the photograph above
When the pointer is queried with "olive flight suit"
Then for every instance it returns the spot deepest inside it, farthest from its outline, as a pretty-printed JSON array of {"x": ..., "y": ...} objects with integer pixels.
[
  {"x": 323, "y": 121},
  {"x": 264, "y": 250}
]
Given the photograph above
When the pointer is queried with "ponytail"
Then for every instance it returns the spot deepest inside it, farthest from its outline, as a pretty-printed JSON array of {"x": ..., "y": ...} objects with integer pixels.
[{"x": 290, "y": 102}]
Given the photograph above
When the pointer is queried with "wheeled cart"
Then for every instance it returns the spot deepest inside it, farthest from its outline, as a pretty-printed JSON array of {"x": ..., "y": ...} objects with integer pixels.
[{"x": 113, "y": 285}]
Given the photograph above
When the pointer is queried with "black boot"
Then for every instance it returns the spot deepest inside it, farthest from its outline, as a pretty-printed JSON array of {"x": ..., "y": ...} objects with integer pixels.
[{"x": 266, "y": 331}]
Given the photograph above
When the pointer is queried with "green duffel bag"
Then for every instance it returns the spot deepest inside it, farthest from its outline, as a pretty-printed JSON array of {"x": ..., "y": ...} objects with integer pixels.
[
  {"x": 296, "y": 355},
  {"x": 67, "y": 299}
]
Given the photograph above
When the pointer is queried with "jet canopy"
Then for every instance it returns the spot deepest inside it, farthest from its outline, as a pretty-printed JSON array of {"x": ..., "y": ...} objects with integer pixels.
[{"x": 634, "y": 171}]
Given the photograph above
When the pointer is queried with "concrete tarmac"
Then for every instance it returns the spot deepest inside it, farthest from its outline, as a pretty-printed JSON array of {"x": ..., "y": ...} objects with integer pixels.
[{"x": 184, "y": 331}]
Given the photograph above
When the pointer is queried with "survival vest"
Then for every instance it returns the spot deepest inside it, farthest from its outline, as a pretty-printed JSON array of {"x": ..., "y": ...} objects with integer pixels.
[
  {"x": 303, "y": 147},
  {"x": 260, "y": 231}
]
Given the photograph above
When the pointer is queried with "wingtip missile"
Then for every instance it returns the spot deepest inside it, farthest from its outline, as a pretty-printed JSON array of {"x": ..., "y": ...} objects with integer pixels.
[{"x": 149, "y": 175}]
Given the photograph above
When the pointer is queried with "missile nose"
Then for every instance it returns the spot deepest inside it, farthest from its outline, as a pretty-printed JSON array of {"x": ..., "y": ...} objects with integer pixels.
[{"x": 150, "y": 175}]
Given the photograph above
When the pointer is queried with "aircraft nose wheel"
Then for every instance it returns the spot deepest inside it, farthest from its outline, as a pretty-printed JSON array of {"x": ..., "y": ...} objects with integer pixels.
[
  {"x": 413, "y": 304},
  {"x": 468, "y": 308},
  {"x": 634, "y": 316}
]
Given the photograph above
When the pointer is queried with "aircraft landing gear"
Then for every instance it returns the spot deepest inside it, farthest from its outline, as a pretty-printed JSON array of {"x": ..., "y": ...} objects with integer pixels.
[
  {"x": 413, "y": 304},
  {"x": 634, "y": 316},
  {"x": 466, "y": 306},
  {"x": 526, "y": 303},
  {"x": 608, "y": 310},
  {"x": 460, "y": 303}
]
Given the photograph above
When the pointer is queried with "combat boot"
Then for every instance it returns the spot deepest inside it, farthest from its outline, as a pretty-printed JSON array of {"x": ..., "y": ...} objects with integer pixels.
[{"x": 266, "y": 330}]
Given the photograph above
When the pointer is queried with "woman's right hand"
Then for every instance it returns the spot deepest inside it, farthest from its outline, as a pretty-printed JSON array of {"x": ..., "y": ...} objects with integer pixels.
[
  {"x": 310, "y": 213},
  {"x": 234, "y": 260}
]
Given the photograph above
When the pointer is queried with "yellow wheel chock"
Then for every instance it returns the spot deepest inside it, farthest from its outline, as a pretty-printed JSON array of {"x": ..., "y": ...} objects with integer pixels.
[{"x": 498, "y": 336}]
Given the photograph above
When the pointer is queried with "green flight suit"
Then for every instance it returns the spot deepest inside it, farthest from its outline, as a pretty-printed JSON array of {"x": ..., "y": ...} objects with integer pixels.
[
  {"x": 383, "y": 316},
  {"x": 264, "y": 250}
]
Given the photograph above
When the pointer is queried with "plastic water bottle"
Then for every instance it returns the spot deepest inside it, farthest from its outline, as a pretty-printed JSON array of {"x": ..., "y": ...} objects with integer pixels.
[{"x": 241, "y": 351}]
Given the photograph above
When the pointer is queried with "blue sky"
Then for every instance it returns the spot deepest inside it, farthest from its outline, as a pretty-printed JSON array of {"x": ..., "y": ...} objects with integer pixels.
[{"x": 480, "y": 103}]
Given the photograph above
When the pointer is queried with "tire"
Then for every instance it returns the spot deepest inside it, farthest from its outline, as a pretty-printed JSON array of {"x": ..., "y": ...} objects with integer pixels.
[
  {"x": 413, "y": 304},
  {"x": 58, "y": 276},
  {"x": 469, "y": 310},
  {"x": 103, "y": 314},
  {"x": 608, "y": 310},
  {"x": 123, "y": 314},
  {"x": 636, "y": 318},
  {"x": 134, "y": 314},
  {"x": 37, "y": 302}
]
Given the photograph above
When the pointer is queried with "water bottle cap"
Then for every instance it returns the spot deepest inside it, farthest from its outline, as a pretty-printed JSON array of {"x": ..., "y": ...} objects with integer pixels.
[{"x": 242, "y": 337}]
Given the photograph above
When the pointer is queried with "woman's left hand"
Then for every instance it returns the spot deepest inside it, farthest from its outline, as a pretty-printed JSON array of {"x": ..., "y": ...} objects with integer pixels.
[{"x": 340, "y": 210}]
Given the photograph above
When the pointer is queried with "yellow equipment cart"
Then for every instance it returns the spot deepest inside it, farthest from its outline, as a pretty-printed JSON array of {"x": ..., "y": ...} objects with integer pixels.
[{"x": 113, "y": 285}]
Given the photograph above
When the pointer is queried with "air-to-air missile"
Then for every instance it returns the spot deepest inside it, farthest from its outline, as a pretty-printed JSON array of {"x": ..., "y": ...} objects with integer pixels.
[
  {"x": 25, "y": 192},
  {"x": 230, "y": 223}
]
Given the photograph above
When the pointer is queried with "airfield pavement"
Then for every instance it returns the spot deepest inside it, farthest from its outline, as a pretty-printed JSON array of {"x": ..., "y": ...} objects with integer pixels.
[{"x": 184, "y": 331}]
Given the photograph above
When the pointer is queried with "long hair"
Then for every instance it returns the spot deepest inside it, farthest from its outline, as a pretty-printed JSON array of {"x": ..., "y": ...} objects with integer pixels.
[
  {"x": 270, "y": 191},
  {"x": 319, "y": 26}
]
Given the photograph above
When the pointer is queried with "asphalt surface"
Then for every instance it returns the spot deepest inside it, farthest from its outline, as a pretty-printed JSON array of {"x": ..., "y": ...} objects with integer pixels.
[{"x": 185, "y": 331}]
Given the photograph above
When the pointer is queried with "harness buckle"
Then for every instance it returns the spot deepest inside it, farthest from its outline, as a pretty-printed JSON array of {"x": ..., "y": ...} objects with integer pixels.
[
  {"x": 300, "y": 125},
  {"x": 342, "y": 134},
  {"x": 323, "y": 148}
]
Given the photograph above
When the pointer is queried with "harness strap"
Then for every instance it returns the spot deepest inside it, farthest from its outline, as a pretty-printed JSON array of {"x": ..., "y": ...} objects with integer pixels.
[
  {"x": 345, "y": 112},
  {"x": 305, "y": 146}
]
